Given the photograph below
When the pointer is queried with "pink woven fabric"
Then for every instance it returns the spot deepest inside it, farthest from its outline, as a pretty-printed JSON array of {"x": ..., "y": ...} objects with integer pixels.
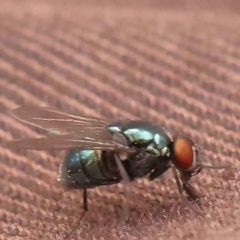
[{"x": 175, "y": 63}]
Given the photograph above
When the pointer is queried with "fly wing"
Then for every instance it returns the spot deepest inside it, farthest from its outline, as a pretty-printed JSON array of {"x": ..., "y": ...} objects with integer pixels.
[
  {"x": 60, "y": 142},
  {"x": 56, "y": 121},
  {"x": 68, "y": 131}
]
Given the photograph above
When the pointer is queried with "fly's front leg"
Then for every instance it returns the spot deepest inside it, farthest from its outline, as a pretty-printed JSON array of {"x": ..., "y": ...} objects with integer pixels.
[
  {"x": 191, "y": 191},
  {"x": 188, "y": 188},
  {"x": 182, "y": 184}
]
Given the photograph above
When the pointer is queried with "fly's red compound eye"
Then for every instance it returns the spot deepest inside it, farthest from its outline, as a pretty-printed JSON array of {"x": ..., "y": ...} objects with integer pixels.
[{"x": 184, "y": 154}]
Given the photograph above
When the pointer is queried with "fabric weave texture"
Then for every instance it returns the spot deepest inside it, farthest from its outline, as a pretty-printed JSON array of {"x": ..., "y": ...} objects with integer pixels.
[{"x": 175, "y": 63}]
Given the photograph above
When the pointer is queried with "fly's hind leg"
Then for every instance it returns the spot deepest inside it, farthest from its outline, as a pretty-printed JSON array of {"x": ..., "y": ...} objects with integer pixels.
[{"x": 85, "y": 209}]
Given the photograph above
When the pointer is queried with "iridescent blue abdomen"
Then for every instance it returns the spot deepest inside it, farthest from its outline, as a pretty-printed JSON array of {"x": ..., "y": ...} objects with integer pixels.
[{"x": 87, "y": 168}]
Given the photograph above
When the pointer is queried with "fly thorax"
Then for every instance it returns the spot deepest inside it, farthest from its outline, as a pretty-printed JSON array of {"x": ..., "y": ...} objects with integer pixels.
[{"x": 158, "y": 146}]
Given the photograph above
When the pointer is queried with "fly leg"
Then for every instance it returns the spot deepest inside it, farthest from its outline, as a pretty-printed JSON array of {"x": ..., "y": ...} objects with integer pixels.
[
  {"x": 188, "y": 188},
  {"x": 85, "y": 209},
  {"x": 126, "y": 180}
]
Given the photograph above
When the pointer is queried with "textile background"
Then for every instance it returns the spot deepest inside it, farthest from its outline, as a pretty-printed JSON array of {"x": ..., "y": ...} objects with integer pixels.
[{"x": 176, "y": 63}]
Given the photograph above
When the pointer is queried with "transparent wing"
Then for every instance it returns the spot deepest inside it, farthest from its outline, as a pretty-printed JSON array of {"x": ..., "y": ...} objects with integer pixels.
[
  {"x": 56, "y": 121},
  {"x": 68, "y": 131},
  {"x": 63, "y": 142}
]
